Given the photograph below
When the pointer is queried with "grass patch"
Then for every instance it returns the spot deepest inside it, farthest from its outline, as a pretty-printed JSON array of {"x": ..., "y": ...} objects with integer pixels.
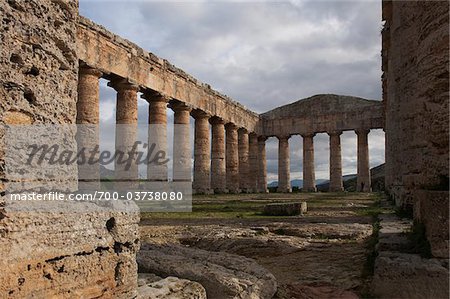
[
  {"x": 229, "y": 206},
  {"x": 372, "y": 254},
  {"x": 373, "y": 210},
  {"x": 369, "y": 265}
]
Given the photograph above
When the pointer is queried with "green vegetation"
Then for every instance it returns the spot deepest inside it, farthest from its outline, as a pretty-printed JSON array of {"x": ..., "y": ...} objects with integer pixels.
[
  {"x": 228, "y": 206},
  {"x": 371, "y": 248}
]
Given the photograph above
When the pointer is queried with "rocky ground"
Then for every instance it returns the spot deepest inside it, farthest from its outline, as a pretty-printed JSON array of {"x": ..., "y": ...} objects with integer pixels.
[{"x": 322, "y": 254}]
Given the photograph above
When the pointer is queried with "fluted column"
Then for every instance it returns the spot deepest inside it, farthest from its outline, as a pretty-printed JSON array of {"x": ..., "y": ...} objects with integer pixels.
[
  {"x": 363, "y": 178},
  {"x": 243, "y": 144},
  {"x": 218, "y": 170},
  {"x": 284, "y": 176},
  {"x": 262, "y": 165},
  {"x": 126, "y": 173},
  {"x": 88, "y": 103},
  {"x": 88, "y": 133},
  {"x": 232, "y": 158},
  {"x": 182, "y": 155},
  {"x": 157, "y": 136},
  {"x": 253, "y": 162},
  {"x": 202, "y": 155},
  {"x": 309, "y": 176},
  {"x": 336, "y": 184}
]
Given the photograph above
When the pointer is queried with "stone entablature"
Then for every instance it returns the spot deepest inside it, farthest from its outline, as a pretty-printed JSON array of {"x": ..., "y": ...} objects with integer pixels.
[
  {"x": 322, "y": 114},
  {"x": 117, "y": 57}
]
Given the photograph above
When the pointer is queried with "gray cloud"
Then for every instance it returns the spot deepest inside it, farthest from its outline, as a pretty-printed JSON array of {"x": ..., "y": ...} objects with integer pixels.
[{"x": 262, "y": 54}]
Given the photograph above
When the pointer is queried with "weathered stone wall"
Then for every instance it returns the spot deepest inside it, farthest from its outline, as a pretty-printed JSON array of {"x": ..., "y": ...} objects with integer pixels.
[
  {"x": 322, "y": 113},
  {"x": 85, "y": 254},
  {"x": 113, "y": 55},
  {"x": 416, "y": 97}
]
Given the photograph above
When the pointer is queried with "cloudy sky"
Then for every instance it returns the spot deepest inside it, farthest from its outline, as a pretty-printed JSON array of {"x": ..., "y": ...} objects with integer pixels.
[{"x": 261, "y": 53}]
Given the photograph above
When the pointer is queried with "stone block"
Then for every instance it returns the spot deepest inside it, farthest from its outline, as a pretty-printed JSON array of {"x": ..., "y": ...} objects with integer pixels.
[
  {"x": 223, "y": 275},
  {"x": 432, "y": 209},
  {"x": 400, "y": 275},
  {"x": 285, "y": 209}
]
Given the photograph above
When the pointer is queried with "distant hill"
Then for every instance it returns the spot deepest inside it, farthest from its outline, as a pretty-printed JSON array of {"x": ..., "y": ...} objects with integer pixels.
[
  {"x": 106, "y": 173},
  {"x": 377, "y": 180},
  {"x": 377, "y": 176},
  {"x": 295, "y": 183}
]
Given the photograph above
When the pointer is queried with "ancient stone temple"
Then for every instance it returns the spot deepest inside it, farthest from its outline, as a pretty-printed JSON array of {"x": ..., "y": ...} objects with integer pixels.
[{"x": 52, "y": 60}]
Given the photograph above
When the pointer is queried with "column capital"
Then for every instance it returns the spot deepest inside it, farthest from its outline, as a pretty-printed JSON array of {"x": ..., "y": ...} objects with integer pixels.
[
  {"x": 177, "y": 106},
  {"x": 362, "y": 131},
  {"x": 86, "y": 70},
  {"x": 153, "y": 96},
  {"x": 123, "y": 84},
  {"x": 199, "y": 114},
  {"x": 231, "y": 126},
  {"x": 243, "y": 131},
  {"x": 215, "y": 120},
  {"x": 308, "y": 135},
  {"x": 261, "y": 138},
  {"x": 334, "y": 133},
  {"x": 283, "y": 137}
]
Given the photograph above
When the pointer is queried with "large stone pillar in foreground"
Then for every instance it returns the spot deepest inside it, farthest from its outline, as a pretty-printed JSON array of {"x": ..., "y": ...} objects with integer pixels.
[
  {"x": 253, "y": 162},
  {"x": 157, "y": 134},
  {"x": 309, "y": 175},
  {"x": 262, "y": 165},
  {"x": 243, "y": 145},
  {"x": 336, "y": 184},
  {"x": 232, "y": 158},
  {"x": 126, "y": 173},
  {"x": 363, "y": 178},
  {"x": 218, "y": 170},
  {"x": 202, "y": 153},
  {"x": 284, "y": 177},
  {"x": 182, "y": 156},
  {"x": 88, "y": 105}
]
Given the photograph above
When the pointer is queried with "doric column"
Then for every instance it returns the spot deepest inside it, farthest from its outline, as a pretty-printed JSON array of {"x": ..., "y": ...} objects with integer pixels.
[
  {"x": 232, "y": 158},
  {"x": 157, "y": 135},
  {"x": 243, "y": 144},
  {"x": 336, "y": 184},
  {"x": 262, "y": 165},
  {"x": 88, "y": 129},
  {"x": 284, "y": 177},
  {"x": 88, "y": 103},
  {"x": 182, "y": 156},
  {"x": 202, "y": 153},
  {"x": 253, "y": 162},
  {"x": 218, "y": 170},
  {"x": 309, "y": 176},
  {"x": 363, "y": 179},
  {"x": 126, "y": 169}
]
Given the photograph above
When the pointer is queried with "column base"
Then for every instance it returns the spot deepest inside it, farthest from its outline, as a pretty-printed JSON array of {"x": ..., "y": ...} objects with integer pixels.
[
  {"x": 263, "y": 191},
  {"x": 234, "y": 191},
  {"x": 202, "y": 191},
  {"x": 284, "y": 190},
  {"x": 364, "y": 189},
  {"x": 220, "y": 191},
  {"x": 336, "y": 189},
  {"x": 309, "y": 189}
]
